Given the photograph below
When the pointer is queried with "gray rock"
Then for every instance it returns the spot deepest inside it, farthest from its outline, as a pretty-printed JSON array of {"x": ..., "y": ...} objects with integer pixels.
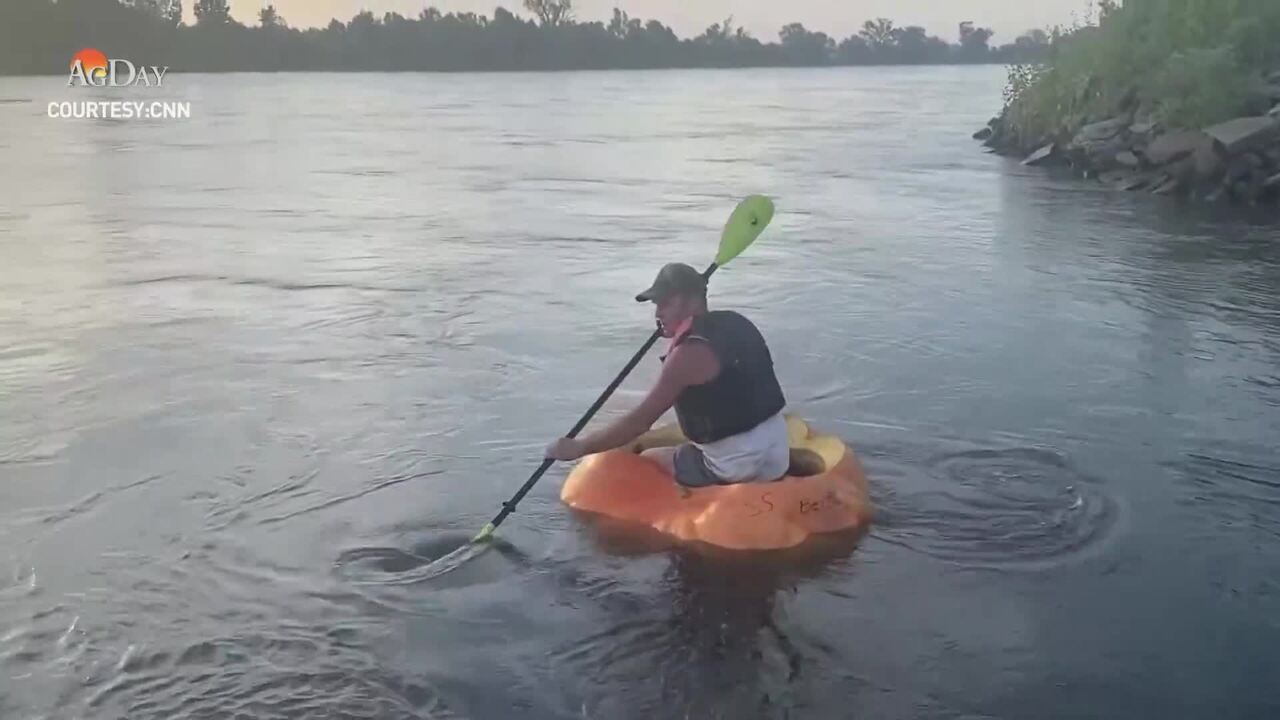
[
  {"x": 1100, "y": 131},
  {"x": 1208, "y": 164},
  {"x": 1128, "y": 159},
  {"x": 1272, "y": 182},
  {"x": 1185, "y": 171},
  {"x": 1097, "y": 156},
  {"x": 1175, "y": 146},
  {"x": 1168, "y": 187},
  {"x": 1138, "y": 182},
  {"x": 1096, "y": 145},
  {"x": 1239, "y": 169},
  {"x": 1041, "y": 156},
  {"x": 984, "y": 134},
  {"x": 1243, "y": 134},
  {"x": 1273, "y": 156},
  {"x": 1257, "y": 101},
  {"x": 1116, "y": 177},
  {"x": 1275, "y": 112},
  {"x": 1274, "y": 78},
  {"x": 1142, "y": 128}
]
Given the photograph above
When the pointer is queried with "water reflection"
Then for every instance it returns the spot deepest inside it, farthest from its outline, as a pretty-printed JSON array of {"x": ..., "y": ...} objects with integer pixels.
[{"x": 714, "y": 641}]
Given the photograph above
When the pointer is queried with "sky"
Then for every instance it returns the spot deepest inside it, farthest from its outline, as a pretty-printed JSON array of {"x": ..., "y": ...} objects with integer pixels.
[{"x": 763, "y": 18}]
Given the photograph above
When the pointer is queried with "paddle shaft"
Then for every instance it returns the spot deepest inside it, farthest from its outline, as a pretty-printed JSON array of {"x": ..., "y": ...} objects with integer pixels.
[{"x": 510, "y": 506}]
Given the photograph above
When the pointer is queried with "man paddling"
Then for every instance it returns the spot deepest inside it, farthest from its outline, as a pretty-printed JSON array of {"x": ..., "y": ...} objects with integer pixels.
[{"x": 718, "y": 374}]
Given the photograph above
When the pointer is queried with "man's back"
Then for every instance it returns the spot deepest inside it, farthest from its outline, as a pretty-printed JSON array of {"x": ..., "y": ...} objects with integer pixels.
[{"x": 746, "y": 391}]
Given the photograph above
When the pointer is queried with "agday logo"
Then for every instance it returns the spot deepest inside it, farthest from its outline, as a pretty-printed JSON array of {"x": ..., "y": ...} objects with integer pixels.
[{"x": 92, "y": 68}]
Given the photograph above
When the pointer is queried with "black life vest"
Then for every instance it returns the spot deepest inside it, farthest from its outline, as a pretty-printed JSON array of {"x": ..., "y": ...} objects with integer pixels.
[{"x": 744, "y": 394}]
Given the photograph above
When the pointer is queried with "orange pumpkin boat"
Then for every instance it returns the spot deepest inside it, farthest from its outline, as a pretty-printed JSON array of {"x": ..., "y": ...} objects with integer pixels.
[{"x": 825, "y": 491}]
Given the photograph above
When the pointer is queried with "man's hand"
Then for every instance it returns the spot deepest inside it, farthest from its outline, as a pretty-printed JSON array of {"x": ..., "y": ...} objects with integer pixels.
[
  {"x": 566, "y": 449},
  {"x": 689, "y": 364}
]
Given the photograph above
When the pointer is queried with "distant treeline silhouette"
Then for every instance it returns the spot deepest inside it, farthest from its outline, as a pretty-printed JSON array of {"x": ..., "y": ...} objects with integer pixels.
[{"x": 40, "y": 36}]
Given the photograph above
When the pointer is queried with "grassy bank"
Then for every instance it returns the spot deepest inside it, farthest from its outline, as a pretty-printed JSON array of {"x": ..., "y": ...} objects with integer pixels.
[{"x": 1177, "y": 63}]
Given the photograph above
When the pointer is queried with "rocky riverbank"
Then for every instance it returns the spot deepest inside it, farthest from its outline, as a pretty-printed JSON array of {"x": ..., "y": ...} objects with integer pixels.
[{"x": 1237, "y": 161}]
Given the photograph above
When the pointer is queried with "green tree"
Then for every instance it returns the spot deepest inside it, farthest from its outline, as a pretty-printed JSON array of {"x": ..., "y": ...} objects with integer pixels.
[
  {"x": 170, "y": 11},
  {"x": 854, "y": 50},
  {"x": 623, "y": 26},
  {"x": 911, "y": 43},
  {"x": 268, "y": 18},
  {"x": 878, "y": 33},
  {"x": 1033, "y": 38},
  {"x": 717, "y": 33},
  {"x": 551, "y": 13},
  {"x": 803, "y": 47},
  {"x": 212, "y": 12},
  {"x": 914, "y": 45},
  {"x": 973, "y": 41}
]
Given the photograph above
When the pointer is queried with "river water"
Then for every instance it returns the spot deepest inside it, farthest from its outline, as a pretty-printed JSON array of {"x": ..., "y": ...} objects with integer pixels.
[{"x": 259, "y": 365}]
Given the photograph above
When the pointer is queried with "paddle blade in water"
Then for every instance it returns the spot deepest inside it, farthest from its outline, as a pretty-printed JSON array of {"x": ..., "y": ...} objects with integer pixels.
[
  {"x": 392, "y": 566},
  {"x": 484, "y": 534},
  {"x": 744, "y": 226},
  {"x": 444, "y": 565}
]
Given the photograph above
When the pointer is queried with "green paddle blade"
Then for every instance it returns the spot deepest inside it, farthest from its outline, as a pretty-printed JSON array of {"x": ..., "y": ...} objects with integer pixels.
[
  {"x": 484, "y": 534},
  {"x": 744, "y": 226}
]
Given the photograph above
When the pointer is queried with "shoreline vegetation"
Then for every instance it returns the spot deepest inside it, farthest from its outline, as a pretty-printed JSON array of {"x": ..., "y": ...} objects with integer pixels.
[
  {"x": 1172, "y": 97},
  {"x": 38, "y": 37}
]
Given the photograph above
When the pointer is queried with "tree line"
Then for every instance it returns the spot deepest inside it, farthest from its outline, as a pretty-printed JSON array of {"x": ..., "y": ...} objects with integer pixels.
[{"x": 39, "y": 37}]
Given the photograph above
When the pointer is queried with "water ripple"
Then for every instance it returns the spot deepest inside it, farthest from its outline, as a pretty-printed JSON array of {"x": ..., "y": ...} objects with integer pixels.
[
  {"x": 270, "y": 283},
  {"x": 1000, "y": 508},
  {"x": 334, "y": 501},
  {"x": 264, "y": 674},
  {"x": 705, "y": 639},
  {"x": 1232, "y": 489}
]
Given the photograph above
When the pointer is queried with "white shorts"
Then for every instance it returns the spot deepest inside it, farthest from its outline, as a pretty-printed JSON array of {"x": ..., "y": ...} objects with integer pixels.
[{"x": 761, "y": 454}]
